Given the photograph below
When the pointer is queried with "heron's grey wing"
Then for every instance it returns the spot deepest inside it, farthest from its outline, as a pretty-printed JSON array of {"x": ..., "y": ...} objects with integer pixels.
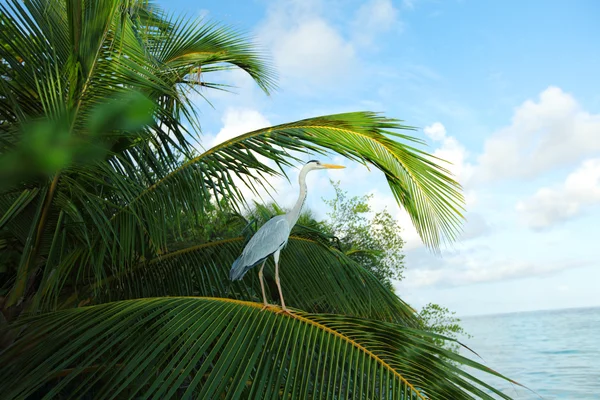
[{"x": 271, "y": 237}]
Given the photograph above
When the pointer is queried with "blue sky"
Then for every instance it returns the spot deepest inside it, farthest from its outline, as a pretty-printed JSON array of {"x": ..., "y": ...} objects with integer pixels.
[{"x": 506, "y": 91}]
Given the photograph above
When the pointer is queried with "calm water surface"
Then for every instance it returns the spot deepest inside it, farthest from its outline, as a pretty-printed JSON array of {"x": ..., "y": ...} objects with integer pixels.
[{"x": 555, "y": 353}]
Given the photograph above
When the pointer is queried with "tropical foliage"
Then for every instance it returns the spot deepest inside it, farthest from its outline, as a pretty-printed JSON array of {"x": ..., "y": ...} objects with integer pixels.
[
  {"x": 371, "y": 239},
  {"x": 373, "y": 242},
  {"x": 439, "y": 319},
  {"x": 100, "y": 300}
]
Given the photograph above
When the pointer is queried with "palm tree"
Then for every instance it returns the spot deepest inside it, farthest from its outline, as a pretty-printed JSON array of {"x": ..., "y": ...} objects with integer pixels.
[{"x": 96, "y": 299}]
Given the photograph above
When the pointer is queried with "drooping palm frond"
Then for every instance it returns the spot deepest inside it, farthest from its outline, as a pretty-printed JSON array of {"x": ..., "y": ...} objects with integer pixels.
[
  {"x": 194, "y": 48},
  {"x": 128, "y": 196},
  {"x": 12, "y": 205},
  {"x": 210, "y": 347},
  {"x": 425, "y": 189},
  {"x": 316, "y": 279}
]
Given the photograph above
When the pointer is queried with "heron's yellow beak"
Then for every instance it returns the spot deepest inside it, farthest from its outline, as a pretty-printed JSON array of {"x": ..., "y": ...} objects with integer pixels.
[{"x": 332, "y": 166}]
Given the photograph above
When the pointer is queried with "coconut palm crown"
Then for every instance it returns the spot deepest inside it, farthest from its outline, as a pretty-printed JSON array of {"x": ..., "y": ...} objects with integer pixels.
[{"x": 98, "y": 131}]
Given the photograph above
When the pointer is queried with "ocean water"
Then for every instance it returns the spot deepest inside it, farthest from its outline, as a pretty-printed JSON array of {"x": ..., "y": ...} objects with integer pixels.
[{"x": 555, "y": 353}]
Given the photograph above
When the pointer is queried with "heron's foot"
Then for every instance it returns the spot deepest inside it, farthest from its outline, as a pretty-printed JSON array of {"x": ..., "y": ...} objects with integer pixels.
[
  {"x": 284, "y": 310},
  {"x": 265, "y": 306}
]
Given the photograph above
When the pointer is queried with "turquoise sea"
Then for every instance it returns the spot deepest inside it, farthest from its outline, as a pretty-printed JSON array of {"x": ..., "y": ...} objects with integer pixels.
[{"x": 555, "y": 353}]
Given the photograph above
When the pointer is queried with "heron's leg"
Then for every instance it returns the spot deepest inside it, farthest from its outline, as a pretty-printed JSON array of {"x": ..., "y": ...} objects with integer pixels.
[
  {"x": 276, "y": 257},
  {"x": 262, "y": 285}
]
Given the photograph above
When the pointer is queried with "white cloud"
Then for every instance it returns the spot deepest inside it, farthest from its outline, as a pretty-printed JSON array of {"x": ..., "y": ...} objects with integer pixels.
[
  {"x": 475, "y": 226},
  {"x": 310, "y": 48},
  {"x": 242, "y": 92},
  {"x": 551, "y": 132},
  {"x": 374, "y": 17},
  {"x": 237, "y": 121},
  {"x": 552, "y": 205},
  {"x": 455, "y": 154},
  {"x": 305, "y": 47},
  {"x": 452, "y": 151},
  {"x": 436, "y": 131}
]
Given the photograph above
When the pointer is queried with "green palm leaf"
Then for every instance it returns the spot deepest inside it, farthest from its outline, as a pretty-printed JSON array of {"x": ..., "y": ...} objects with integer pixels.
[
  {"x": 62, "y": 61},
  {"x": 315, "y": 278},
  {"x": 209, "y": 347},
  {"x": 424, "y": 188},
  {"x": 194, "y": 48}
]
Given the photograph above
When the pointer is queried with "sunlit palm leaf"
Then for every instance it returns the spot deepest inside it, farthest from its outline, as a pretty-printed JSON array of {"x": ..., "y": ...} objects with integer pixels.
[
  {"x": 424, "y": 188},
  {"x": 195, "y": 47},
  {"x": 207, "y": 348}
]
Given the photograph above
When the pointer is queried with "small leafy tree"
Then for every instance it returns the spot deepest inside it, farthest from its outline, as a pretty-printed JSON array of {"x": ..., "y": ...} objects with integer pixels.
[
  {"x": 216, "y": 222},
  {"x": 373, "y": 241},
  {"x": 442, "y": 321}
]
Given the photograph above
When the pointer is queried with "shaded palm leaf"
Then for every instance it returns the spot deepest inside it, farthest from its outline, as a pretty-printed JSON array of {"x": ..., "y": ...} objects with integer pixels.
[
  {"x": 208, "y": 347},
  {"x": 315, "y": 278},
  {"x": 60, "y": 60}
]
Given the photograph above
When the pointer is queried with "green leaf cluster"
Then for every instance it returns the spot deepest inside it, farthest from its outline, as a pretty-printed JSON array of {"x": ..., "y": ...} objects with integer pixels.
[
  {"x": 102, "y": 296},
  {"x": 442, "y": 321},
  {"x": 372, "y": 239}
]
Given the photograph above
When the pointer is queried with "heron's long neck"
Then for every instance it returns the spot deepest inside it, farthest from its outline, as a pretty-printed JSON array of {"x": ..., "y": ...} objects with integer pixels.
[{"x": 294, "y": 214}]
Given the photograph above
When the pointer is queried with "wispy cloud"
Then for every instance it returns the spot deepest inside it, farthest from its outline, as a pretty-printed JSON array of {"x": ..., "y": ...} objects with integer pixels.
[
  {"x": 552, "y": 205},
  {"x": 237, "y": 121},
  {"x": 469, "y": 270},
  {"x": 374, "y": 18}
]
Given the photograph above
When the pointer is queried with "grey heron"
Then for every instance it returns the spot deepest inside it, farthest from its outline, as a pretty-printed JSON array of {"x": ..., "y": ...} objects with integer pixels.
[{"x": 273, "y": 236}]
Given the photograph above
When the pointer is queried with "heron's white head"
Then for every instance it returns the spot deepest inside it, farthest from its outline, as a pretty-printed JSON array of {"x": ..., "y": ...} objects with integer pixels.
[{"x": 315, "y": 164}]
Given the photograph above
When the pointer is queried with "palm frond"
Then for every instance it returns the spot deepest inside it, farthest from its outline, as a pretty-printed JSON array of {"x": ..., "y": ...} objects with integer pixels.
[
  {"x": 65, "y": 61},
  {"x": 419, "y": 183},
  {"x": 95, "y": 230},
  {"x": 195, "y": 47},
  {"x": 208, "y": 347},
  {"x": 315, "y": 278},
  {"x": 12, "y": 206}
]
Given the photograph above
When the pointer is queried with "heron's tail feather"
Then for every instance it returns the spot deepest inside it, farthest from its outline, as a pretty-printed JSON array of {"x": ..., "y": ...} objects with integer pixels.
[
  {"x": 240, "y": 267},
  {"x": 237, "y": 270}
]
